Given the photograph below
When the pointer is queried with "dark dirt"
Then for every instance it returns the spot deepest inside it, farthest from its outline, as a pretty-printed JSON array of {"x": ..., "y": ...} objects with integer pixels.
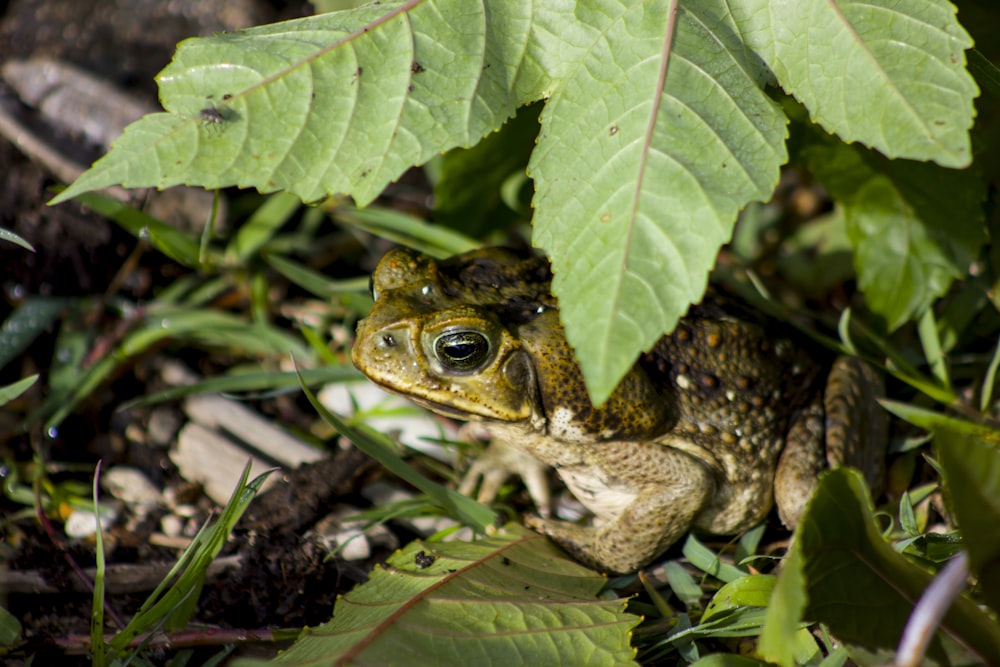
[{"x": 282, "y": 579}]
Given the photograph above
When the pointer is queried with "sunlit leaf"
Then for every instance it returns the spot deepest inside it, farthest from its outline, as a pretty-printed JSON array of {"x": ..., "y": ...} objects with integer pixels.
[
  {"x": 889, "y": 75},
  {"x": 646, "y": 154}
]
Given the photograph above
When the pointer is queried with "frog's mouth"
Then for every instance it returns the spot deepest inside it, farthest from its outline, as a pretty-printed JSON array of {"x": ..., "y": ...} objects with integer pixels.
[{"x": 444, "y": 410}]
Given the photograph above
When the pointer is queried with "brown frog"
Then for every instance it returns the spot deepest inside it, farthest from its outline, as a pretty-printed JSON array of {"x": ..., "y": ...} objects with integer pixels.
[{"x": 721, "y": 419}]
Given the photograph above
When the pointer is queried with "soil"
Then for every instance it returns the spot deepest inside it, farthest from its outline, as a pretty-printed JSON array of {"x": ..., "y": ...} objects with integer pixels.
[{"x": 276, "y": 577}]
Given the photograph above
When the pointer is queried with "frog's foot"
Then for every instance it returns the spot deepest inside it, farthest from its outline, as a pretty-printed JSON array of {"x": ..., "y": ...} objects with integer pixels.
[
  {"x": 800, "y": 465},
  {"x": 610, "y": 548},
  {"x": 497, "y": 464},
  {"x": 656, "y": 519}
]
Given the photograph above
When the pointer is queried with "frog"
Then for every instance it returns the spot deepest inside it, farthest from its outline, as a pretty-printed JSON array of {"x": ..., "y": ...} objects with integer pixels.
[{"x": 720, "y": 420}]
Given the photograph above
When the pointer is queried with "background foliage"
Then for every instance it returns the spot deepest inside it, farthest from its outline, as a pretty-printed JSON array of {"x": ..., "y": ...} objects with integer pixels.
[{"x": 659, "y": 122}]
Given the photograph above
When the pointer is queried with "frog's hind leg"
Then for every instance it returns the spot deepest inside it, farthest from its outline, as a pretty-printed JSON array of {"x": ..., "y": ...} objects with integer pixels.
[
  {"x": 857, "y": 427},
  {"x": 801, "y": 462},
  {"x": 848, "y": 427},
  {"x": 647, "y": 518}
]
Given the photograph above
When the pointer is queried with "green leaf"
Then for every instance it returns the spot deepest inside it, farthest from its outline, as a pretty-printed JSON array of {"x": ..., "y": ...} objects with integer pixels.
[
  {"x": 914, "y": 227},
  {"x": 890, "y": 75},
  {"x": 658, "y": 136},
  {"x": 340, "y": 102},
  {"x": 11, "y": 391},
  {"x": 969, "y": 457},
  {"x": 855, "y": 582},
  {"x": 7, "y": 235},
  {"x": 747, "y": 591},
  {"x": 468, "y": 191},
  {"x": 785, "y": 610},
  {"x": 10, "y": 628},
  {"x": 728, "y": 660},
  {"x": 512, "y": 598},
  {"x": 970, "y": 469},
  {"x": 29, "y": 320},
  {"x": 654, "y": 134}
]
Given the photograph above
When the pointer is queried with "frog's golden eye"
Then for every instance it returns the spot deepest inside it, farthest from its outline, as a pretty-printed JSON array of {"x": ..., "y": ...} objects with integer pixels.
[{"x": 462, "y": 350}]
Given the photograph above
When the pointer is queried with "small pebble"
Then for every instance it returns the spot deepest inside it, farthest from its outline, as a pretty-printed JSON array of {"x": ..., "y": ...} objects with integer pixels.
[
  {"x": 132, "y": 486},
  {"x": 82, "y": 523},
  {"x": 171, "y": 525}
]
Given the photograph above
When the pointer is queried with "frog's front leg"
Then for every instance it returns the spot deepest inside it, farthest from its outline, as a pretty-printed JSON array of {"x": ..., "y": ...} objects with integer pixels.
[
  {"x": 497, "y": 464},
  {"x": 634, "y": 523}
]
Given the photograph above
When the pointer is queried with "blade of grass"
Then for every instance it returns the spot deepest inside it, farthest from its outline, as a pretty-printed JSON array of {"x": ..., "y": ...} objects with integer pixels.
[
  {"x": 210, "y": 327},
  {"x": 928, "y": 331},
  {"x": 322, "y": 350},
  {"x": 209, "y": 229},
  {"x": 97, "y": 646},
  {"x": 895, "y": 363},
  {"x": 989, "y": 380},
  {"x": 315, "y": 282},
  {"x": 261, "y": 227},
  {"x": 11, "y": 391},
  {"x": 682, "y": 584},
  {"x": 987, "y": 74},
  {"x": 252, "y": 382},
  {"x": 172, "y": 242},
  {"x": 708, "y": 561},
  {"x": 433, "y": 240},
  {"x": 168, "y": 603},
  {"x": 7, "y": 235},
  {"x": 31, "y": 319}
]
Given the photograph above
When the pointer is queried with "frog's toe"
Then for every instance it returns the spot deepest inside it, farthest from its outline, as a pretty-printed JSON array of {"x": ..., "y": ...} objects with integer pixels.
[{"x": 499, "y": 463}]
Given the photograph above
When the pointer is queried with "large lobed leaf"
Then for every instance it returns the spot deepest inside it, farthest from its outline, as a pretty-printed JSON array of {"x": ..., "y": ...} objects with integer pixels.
[
  {"x": 649, "y": 148},
  {"x": 512, "y": 599},
  {"x": 655, "y": 133},
  {"x": 340, "y": 102},
  {"x": 890, "y": 75}
]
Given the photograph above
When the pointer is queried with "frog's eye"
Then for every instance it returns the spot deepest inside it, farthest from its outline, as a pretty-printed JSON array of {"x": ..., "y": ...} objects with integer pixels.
[{"x": 462, "y": 350}]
